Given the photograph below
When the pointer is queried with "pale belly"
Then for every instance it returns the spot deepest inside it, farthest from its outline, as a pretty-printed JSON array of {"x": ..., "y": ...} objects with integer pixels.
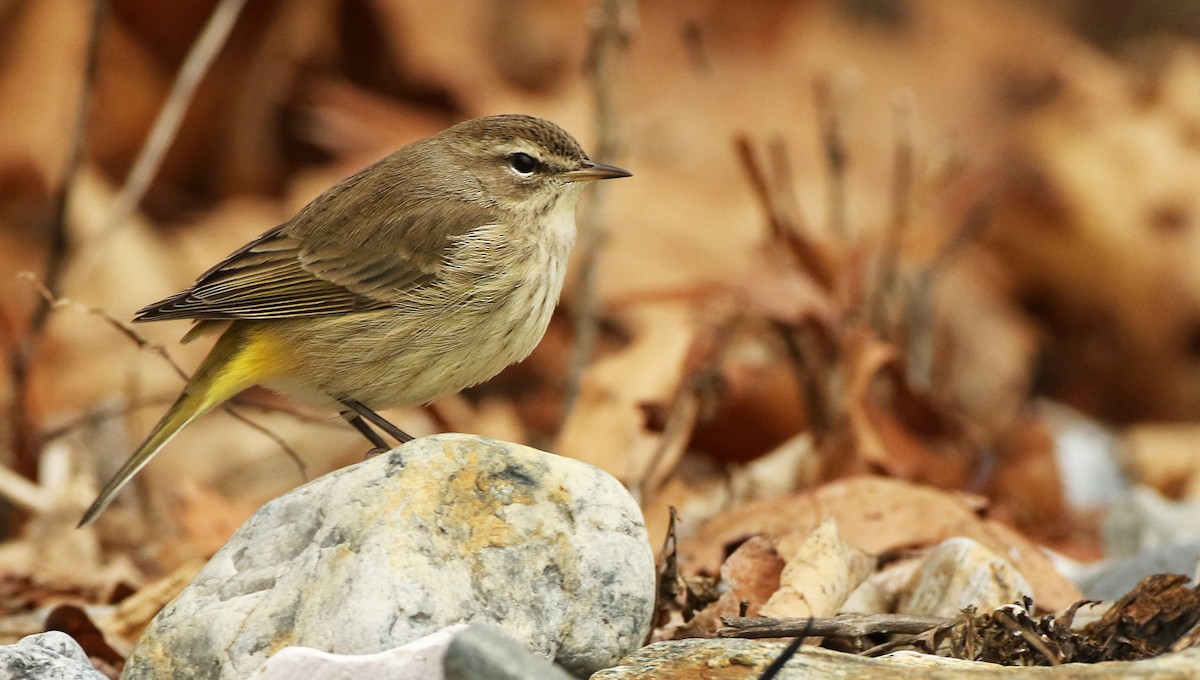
[{"x": 417, "y": 353}]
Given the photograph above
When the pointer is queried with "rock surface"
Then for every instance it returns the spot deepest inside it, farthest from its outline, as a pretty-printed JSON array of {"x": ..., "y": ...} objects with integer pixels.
[
  {"x": 741, "y": 659},
  {"x": 1111, "y": 579},
  {"x": 456, "y": 653},
  {"x": 961, "y": 572},
  {"x": 443, "y": 530},
  {"x": 45, "y": 656}
]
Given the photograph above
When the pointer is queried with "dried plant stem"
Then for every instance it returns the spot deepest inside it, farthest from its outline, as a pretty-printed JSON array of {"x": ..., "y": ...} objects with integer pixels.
[
  {"x": 609, "y": 38},
  {"x": 96, "y": 416},
  {"x": 811, "y": 366},
  {"x": 691, "y": 404},
  {"x": 833, "y": 103},
  {"x": 166, "y": 125},
  {"x": 893, "y": 236},
  {"x": 841, "y": 626},
  {"x": 142, "y": 342},
  {"x": 783, "y": 221},
  {"x": 1034, "y": 641},
  {"x": 920, "y": 301},
  {"x": 60, "y": 243},
  {"x": 26, "y": 443}
]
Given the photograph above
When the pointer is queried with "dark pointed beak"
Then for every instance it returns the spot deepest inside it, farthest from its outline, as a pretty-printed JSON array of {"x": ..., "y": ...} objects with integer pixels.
[{"x": 592, "y": 171}]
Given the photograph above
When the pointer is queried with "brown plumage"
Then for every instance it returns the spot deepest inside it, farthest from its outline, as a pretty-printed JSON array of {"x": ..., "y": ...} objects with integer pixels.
[{"x": 421, "y": 275}]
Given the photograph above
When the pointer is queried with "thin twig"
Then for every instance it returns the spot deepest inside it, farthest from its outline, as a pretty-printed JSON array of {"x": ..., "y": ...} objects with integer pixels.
[
  {"x": 887, "y": 647},
  {"x": 301, "y": 467},
  {"x": 609, "y": 40},
  {"x": 687, "y": 408},
  {"x": 893, "y": 236},
  {"x": 101, "y": 414},
  {"x": 833, "y": 103},
  {"x": 808, "y": 255},
  {"x": 920, "y": 301},
  {"x": 784, "y": 187},
  {"x": 60, "y": 240},
  {"x": 96, "y": 417},
  {"x": 841, "y": 626},
  {"x": 669, "y": 583},
  {"x": 166, "y": 125},
  {"x": 1034, "y": 640},
  {"x": 300, "y": 414},
  {"x": 811, "y": 368},
  {"x": 25, "y": 445},
  {"x": 143, "y": 343}
]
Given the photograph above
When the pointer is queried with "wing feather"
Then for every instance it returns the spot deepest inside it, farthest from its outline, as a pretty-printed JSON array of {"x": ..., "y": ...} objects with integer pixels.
[{"x": 335, "y": 256}]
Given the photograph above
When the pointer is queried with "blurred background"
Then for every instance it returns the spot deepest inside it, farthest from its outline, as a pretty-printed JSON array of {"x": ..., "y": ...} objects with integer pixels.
[{"x": 950, "y": 242}]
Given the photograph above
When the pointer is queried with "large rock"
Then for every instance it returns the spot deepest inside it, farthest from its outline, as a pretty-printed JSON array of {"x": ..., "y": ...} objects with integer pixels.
[{"x": 443, "y": 530}]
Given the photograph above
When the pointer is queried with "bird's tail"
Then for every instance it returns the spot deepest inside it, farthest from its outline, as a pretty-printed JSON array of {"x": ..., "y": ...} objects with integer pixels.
[{"x": 224, "y": 373}]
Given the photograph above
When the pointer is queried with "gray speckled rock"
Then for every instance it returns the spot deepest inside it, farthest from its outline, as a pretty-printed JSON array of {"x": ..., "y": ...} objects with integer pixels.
[
  {"x": 46, "y": 656},
  {"x": 443, "y": 530}
]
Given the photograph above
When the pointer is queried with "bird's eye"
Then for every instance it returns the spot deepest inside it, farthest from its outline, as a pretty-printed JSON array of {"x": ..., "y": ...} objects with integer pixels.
[{"x": 522, "y": 162}]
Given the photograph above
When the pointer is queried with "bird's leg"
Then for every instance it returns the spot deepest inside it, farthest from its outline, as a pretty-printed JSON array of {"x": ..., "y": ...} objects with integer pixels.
[
  {"x": 366, "y": 431},
  {"x": 379, "y": 421}
]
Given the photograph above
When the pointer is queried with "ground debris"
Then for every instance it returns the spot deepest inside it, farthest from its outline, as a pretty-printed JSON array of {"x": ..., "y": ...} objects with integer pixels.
[{"x": 1148, "y": 620}]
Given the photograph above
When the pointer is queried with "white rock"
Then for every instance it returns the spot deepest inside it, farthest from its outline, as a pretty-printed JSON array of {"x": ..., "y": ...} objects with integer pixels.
[
  {"x": 456, "y": 653},
  {"x": 1144, "y": 520},
  {"x": 960, "y": 572},
  {"x": 443, "y": 530}
]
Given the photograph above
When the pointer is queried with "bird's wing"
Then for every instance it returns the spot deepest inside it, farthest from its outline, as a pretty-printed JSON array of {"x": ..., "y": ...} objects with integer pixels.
[{"x": 365, "y": 260}]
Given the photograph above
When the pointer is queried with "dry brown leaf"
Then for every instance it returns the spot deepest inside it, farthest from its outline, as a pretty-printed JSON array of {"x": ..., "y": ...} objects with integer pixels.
[
  {"x": 1025, "y": 489},
  {"x": 793, "y": 464},
  {"x": 877, "y": 515},
  {"x": 961, "y": 573},
  {"x": 607, "y": 428},
  {"x": 881, "y": 590},
  {"x": 1164, "y": 456},
  {"x": 748, "y": 579},
  {"x": 698, "y": 490},
  {"x": 905, "y": 437},
  {"x": 131, "y": 616},
  {"x": 819, "y": 576},
  {"x": 1096, "y": 234}
]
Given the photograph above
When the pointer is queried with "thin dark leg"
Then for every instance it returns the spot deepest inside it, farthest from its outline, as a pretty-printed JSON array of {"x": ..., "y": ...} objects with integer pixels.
[
  {"x": 379, "y": 421},
  {"x": 361, "y": 425}
]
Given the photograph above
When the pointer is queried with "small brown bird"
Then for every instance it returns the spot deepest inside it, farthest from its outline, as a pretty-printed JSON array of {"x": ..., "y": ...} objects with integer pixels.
[{"x": 421, "y": 275}]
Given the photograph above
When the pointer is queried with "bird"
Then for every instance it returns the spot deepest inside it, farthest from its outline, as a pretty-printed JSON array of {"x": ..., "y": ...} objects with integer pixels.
[{"x": 423, "y": 274}]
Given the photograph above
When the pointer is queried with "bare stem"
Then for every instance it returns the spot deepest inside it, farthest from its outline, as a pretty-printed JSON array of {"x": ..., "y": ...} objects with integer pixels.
[
  {"x": 142, "y": 342},
  {"x": 166, "y": 125},
  {"x": 26, "y": 444},
  {"x": 841, "y": 626},
  {"x": 893, "y": 236},
  {"x": 609, "y": 38},
  {"x": 785, "y": 230},
  {"x": 833, "y": 103},
  {"x": 920, "y": 300}
]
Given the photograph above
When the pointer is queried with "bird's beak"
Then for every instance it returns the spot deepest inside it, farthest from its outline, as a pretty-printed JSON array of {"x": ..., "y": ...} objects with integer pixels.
[{"x": 592, "y": 171}]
